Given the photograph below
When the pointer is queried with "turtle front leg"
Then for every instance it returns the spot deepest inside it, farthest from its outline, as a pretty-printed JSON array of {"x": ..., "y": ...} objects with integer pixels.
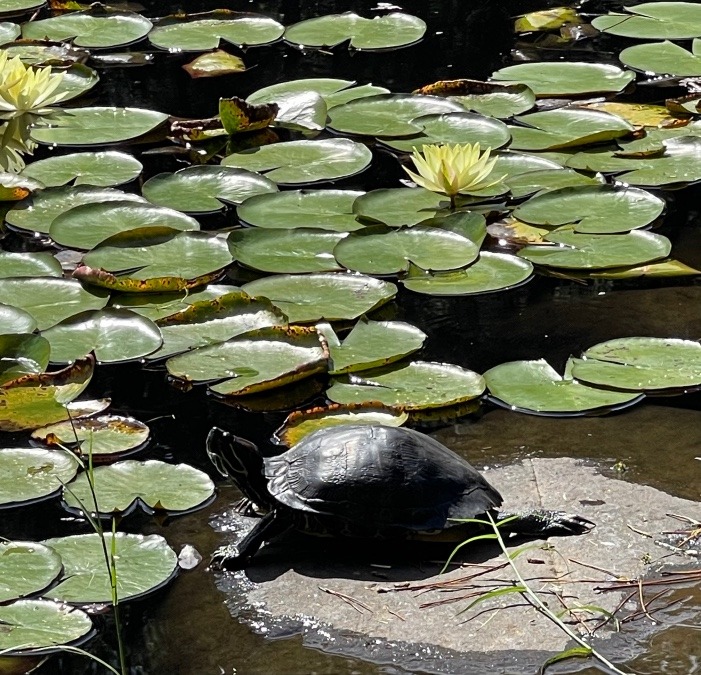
[
  {"x": 544, "y": 523},
  {"x": 238, "y": 556}
]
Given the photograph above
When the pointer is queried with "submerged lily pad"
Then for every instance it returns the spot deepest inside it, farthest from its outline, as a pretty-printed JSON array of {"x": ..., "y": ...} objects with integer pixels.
[
  {"x": 39, "y": 264},
  {"x": 313, "y": 297},
  {"x": 22, "y": 354},
  {"x": 653, "y": 21},
  {"x": 102, "y": 169},
  {"x": 152, "y": 485},
  {"x": 26, "y": 568}
]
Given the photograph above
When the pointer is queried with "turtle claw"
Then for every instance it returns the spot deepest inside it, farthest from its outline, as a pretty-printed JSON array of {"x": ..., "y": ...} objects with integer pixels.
[
  {"x": 569, "y": 523},
  {"x": 228, "y": 558}
]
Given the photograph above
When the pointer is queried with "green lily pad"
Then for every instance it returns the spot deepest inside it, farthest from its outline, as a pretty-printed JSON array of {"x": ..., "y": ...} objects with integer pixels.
[
  {"x": 387, "y": 114},
  {"x": 98, "y": 27},
  {"x": 97, "y": 126},
  {"x": 641, "y": 364},
  {"x": 301, "y": 423},
  {"x": 77, "y": 80},
  {"x": 536, "y": 387},
  {"x": 22, "y": 354},
  {"x": 36, "y": 213},
  {"x": 200, "y": 32},
  {"x": 84, "y": 227},
  {"x": 313, "y": 297},
  {"x": 102, "y": 169},
  {"x": 49, "y": 300},
  {"x": 664, "y": 58},
  {"x": 397, "y": 207},
  {"x": 566, "y": 78},
  {"x": 203, "y": 189},
  {"x": 32, "y": 474},
  {"x": 371, "y": 344},
  {"x": 14, "y": 187},
  {"x": 381, "y": 32},
  {"x": 320, "y": 209},
  {"x": 452, "y": 128},
  {"x": 16, "y": 6},
  {"x": 304, "y": 162},
  {"x": 257, "y": 361},
  {"x": 285, "y": 251},
  {"x": 41, "y": 625},
  {"x": 8, "y": 31},
  {"x": 511, "y": 164},
  {"x": 380, "y": 250},
  {"x": 664, "y": 268},
  {"x": 525, "y": 184},
  {"x": 492, "y": 272},
  {"x": 143, "y": 563},
  {"x": 40, "y": 264},
  {"x": 26, "y": 568},
  {"x": 104, "y": 437},
  {"x": 412, "y": 386},
  {"x": 653, "y": 21},
  {"x": 152, "y": 485},
  {"x": 603, "y": 209},
  {"x": 15, "y": 320},
  {"x": 208, "y": 322},
  {"x": 114, "y": 335},
  {"x": 591, "y": 251}
]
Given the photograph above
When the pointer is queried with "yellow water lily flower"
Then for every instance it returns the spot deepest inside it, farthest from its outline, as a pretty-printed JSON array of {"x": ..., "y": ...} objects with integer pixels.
[
  {"x": 24, "y": 89},
  {"x": 452, "y": 169},
  {"x": 13, "y": 146}
]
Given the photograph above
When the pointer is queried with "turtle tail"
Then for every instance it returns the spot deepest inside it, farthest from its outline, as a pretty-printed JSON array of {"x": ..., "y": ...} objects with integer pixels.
[{"x": 543, "y": 523}]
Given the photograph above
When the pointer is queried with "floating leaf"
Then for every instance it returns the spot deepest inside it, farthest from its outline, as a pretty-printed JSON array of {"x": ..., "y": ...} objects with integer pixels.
[
  {"x": 102, "y": 169},
  {"x": 545, "y": 20},
  {"x": 8, "y": 31},
  {"x": 525, "y": 184},
  {"x": 214, "y": 64},
  {"x": 16, "y": 6},
  {"x": 15, "y": 320},
  {"x": 400, "y": 206},
  {"x": 664, "y": 58},
  {"x": 14, "y": 187},
  {"x": 665, "y": 268},
  {"x": 653, "y": 21},
  {"x": 238, "y": 116},
  {"x": 77, "y": 80},
  {"x": 22, "y": 354},
  {"x": 40, "y": 264},
  {"x": 26, "y": 568}
]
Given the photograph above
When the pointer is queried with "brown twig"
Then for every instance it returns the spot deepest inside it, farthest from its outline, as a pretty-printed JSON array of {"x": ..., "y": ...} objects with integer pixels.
[{"x": 348, "y": 599}]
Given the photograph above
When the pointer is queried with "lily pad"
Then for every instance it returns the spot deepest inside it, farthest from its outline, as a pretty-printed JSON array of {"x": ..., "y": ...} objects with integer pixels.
[
  {"x": 14, "y": 187},
  {"x": 143, "y": 563},
  {"x": 102, "y": 169},
  {"x": 16, "y": 6},
  {"x": 566, "y": 78},
  {"x": 535, "y": 387},
  {"x": 26, "y": 568},
  {"x": 8, "y": 31},
  {"x": 319, "y": 209},
  {"x": 103, "y": 437},
  {"x": 22, "y": 354},
  {"x": 412, "y": 386},
  {"x": 397, "y": 207},
  {"x": 492, "y": 272},
  {"x": 603, "y": 209},
  {"x": 39, "y": 264},
  {"x": 203, "y": 189},
  {"x": 32, "y": 474},
  {"x": 664, "y": 58},
  {"x": 381, "y": 32},
  {"x": 313, "y": 297},
  {"x": 15, "y": 320},
  {"x": 653, "y": 21},
  {"x": 304, "y": 162},
  {"x": 152, "y": 485},
  {"x": 371, "y": 344},
  {"x": 525, "y": 184},
  {"x": 214, "y": 64},
  {"x": 97, "y": 126},
  {"x": 77, "y": 80}
]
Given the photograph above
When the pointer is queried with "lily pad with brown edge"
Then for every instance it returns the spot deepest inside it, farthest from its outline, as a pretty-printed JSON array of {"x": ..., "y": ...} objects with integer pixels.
[
  {"x": 101, "y": 169},
  {"x": 641, "y": 364},
  {"x": 33, "y": 400},
  {"x": 307, "y": 298},
  {"x": 105, "y": 438},
  {"x": 208, "y": 322},
  {"x": 15, "y": 187},
  {"x": 304, "y": 162},
  {"x": 490, "y": 273},
  {"x": 29, "y": 475},
  {"x": 647, "y": 115},
  {"x": 152, "y": 485},
  {"x": 22, "y": 354},
  {"x": 371, "y": 344},
  {"x": 257, "y": 361},
  {"x": 292, "y": 251},
  {"x": 113, "y": 335},
  {"x": 214, "y": 64},
  {"x": 16, "y": 320},
  {"x": 412, "y": 386},
  {"x": 125, "y": 284},
  {"x": 546, "y": 20},
  {"x": 320, "y": 209},
  {"x": 238, "y": 116},
  {"x": 300, "y": 423},
  {"x": 653, "y": 21},
  {"x": 50, "y": 300},
  {"x": 26, "y": 568},
  {"x": 535, "y": 387},
  {"x": 205, "y": 189},
  {"x": 145, "y": 564},
  {"x": 510, "y": 230},
  {"x": 389, "y": 31},
  {"x": 29, "y": 264}
]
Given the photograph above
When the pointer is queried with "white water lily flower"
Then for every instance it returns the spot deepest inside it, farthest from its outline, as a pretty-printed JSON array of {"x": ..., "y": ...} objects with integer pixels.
[{"x": 452, "y": 169}]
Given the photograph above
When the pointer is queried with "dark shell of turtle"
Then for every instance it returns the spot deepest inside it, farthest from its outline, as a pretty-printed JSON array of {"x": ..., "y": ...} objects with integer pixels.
[{"x": 392, "y": 476}]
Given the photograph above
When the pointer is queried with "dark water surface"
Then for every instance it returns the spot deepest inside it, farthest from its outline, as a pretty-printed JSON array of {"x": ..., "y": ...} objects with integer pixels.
[{"x": 187, "y": 629}]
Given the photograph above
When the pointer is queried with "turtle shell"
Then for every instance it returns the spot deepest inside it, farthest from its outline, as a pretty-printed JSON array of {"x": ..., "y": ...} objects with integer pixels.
[{"x": 391, "y": 476}]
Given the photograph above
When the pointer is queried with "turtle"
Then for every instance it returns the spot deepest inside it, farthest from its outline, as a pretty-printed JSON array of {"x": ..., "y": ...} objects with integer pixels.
[{"x": 367, "y": 481}]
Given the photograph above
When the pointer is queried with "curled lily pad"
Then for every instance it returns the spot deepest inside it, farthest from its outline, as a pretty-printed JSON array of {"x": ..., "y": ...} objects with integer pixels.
[
  {"x": 102, "y": 169},
  {"x": 203, "y": 189},
  {"x": 320, "y": 209},
  {"x": 304, "y": 162},
  {"x": 313, "y": 297},
  {"x": 381, "y": 32},
  {"x": 653, "y": 21},
  {"x": 535, "y": 387},
  {"x": 103, "y": 437},
  {"x": 664, "y": 58},
  {"x": 412, "y": 386},
  {"x": 26, "y": 568},
  {"x": 144, "y": 564},
  {"x": 152, "y": 485},
  {"x": 22, "y": 354},
  {"x": 32, "y": 474},
  {"x": 214, "y": 64},
  {"x": 39, "y": 264},
  {"x": 15, "y": 320}
]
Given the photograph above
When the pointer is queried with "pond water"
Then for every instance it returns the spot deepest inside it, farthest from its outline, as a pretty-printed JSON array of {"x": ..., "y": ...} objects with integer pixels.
[{"x": 187, "y": 629}]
